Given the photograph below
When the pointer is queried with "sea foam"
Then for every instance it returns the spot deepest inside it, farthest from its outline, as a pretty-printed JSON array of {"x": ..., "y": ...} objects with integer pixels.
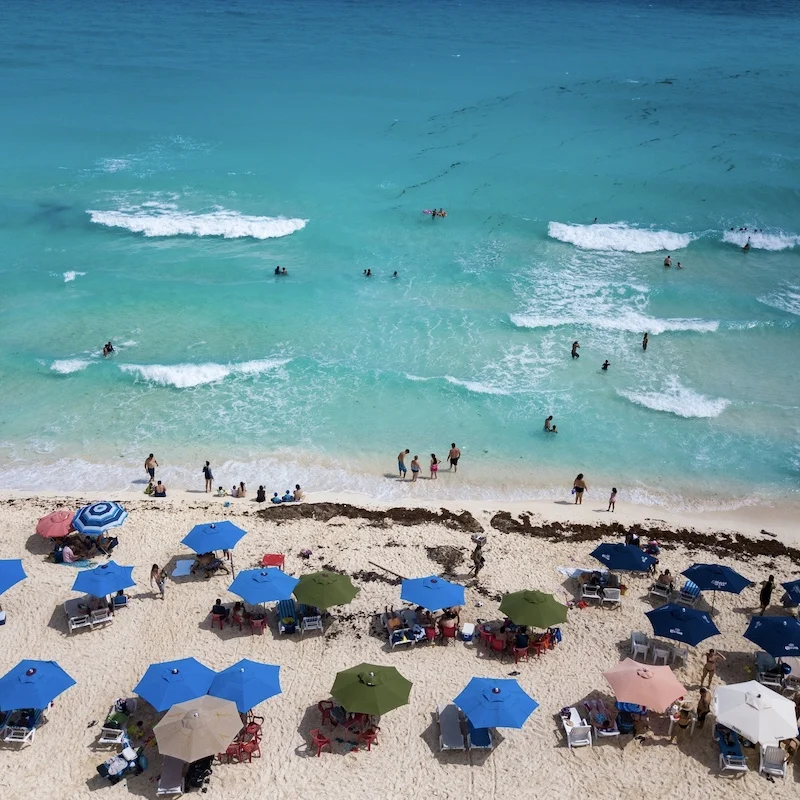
[
  {"x": 787, "y": 299},
  {"x": 67, "y": 366},
  {"x": 185, "y": 376},
  {"x": 71, "y": 274},
  {"x": 769, "y": 240},
  {"x": 626, "y": 320},
  {"x": 674, "y": 398},
  {"x": 155, "y": 219},
  {"x": 618, "y": 236}
]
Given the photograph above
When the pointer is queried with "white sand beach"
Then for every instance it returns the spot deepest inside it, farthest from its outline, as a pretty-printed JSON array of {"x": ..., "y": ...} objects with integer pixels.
[{"x": 533, "y": 761}]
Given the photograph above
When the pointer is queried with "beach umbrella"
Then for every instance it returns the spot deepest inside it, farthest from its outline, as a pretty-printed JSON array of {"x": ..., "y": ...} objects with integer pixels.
[
  {"x": 325, "y": 589},
  {"x": 624, "y": 557},
  {"x": 432, "y": 593},
  {"x": 644, "y": 685},
  {"x": 198, "y": 728},
  {"x": 778, "y": 636},
  {"x": 371, "y": 689},
  {"x": 755, "y": 712},
  {"x": 537, "y": 609},
  {"x": 11, "y": 573},
  {"x": 682, "y": 624},
  {"x": 495, "y": 703},
  {"x": 32, "y": 684},
  {"x": 211, "y": 536},
  {"x": 170, "y": 682},
  {"x": 97, "y": 518},
  {"x": 106, "y": 579},
  {"x": 263, "y": 585},
  {"x": 247, "y": 683},
  {"x": 716, "y": 577},
  {"x": 55, "y": 525},
  {"x": 793, "y": 590}
]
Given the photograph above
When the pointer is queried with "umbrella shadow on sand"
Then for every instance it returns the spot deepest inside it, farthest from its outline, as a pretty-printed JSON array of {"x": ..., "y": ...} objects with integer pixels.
[
  {"x": 39, "y": 545},
  {"x": 462, "y": 758},
  {"x": 343, "y": 742}
]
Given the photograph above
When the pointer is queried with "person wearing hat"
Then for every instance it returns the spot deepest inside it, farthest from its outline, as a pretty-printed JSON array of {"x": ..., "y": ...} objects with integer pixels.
[{"x": 683, "y": 718}]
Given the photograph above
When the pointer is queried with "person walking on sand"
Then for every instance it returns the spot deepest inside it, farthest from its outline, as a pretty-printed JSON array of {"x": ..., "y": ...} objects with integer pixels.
[
  {"x": 575, "y": 353},
  {"x": 766, "y": 593},
  {"x": 645, "y": 340},
  {"x": 401, "y": 463},
  {"x": 209, "y": 476},
  {"x": 434, "y": 467},
  {"x": 150, "y": 465},
  {"x": 158, "y": 578},
  {"x": 548, "y": 423},
  {"x": 578, "y": 488},
  {"x": 710, "y": 667},
  {"x": 612, "y": 501},
  {"x": 414, "y": 469},
  {"x": 453, "y": 457}
]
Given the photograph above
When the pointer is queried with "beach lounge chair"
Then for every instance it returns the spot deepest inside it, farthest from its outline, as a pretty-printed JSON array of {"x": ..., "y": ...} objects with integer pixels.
[
  {"x": 640, "y": 645},
  {"x": 397, "y": 636},
  {"x": 451, "y": 736},
  {"x": 479, "y": 738},
  {"x": 611, "y": 596},
  {"x": 100, "y": 616},
  {"x": 774, "y": 680},
  {"x": 171, "y": 780},
  {"x": 114, "y": 730},
  {"x": 660, "y": 590},
  {"x": 600, "y": 719},
  {"x": 689, "y": 594},
  {"x": 20, "y": 727},
  {"x": 730, "y": 751},
  {"x": 287, "y": 616},
  {"x": 773, "y": 761},
  {"x": 579, "y": 733},
  {"x": 310, "y": 619},
  {"x": 590, "y": 593},
  {"x": 83, "y": 621}
]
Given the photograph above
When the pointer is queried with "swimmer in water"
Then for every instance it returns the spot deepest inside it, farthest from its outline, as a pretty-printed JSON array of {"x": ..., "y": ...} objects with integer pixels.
[
  {"x": 369, "y": 273},
  {"x": 645, "y": 340},
  {"x": 575, "y": 353},
  {"x": 108, "y": 349},
  {"x": 547, "y": 423},
  {"x": 284, "y": 272},
  {"x": 606, "y": 365},
  {"x": 668, "y": 261},
  {"x": 442, "y": 212},
  {"x": 277, "y": 270},
  {"x": 679, "y": 265},
  {"x": 746, "y": 247},
  {"x": 595, "y": 221},
  {"x": 394, "y": 275}
]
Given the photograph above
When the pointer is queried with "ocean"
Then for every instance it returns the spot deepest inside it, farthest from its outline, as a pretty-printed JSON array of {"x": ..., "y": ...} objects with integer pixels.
[{"x": 159, "y": 160}]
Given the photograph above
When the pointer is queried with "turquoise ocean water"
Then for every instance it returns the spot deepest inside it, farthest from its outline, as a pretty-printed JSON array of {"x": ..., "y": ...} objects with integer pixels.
[{"x": 159, "y": 160}]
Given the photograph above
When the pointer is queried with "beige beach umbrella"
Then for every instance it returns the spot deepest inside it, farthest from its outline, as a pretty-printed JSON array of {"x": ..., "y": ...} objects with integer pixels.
[{"x": 198, "y": 728}]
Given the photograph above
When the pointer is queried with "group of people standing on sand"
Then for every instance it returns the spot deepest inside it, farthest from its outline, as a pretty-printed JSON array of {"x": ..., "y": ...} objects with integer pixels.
[{"x": 453, "y": 456}]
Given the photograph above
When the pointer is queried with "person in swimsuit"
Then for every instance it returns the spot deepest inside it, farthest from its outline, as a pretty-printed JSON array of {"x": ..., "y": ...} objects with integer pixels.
[
  {"x": 746, "y": 247},
  {"x": 298, "y": 493},
  {"x": 277, "y": 270},
  {"x": 207, "y": 474},
  {"x": 150, "y": 465},
  {"x": 453, "y": 456},
  {"x": 394, "y": 275},
  {"x": 283, "y": 271},
  {"x": 579, "y": 487},
  {"x": 434, "y": 467},
  {"x": 159, "y": 490},
  {"x": 679, "y": 265},
  {"x": 414, "y": 468},
  {"x": 710, "y": 667},
  {"x": 547, "y": 423},
  {"x": 159, "y": 578},
  {"x": 442, "y": 212},
  {"x": 766, "y": 593},
  {"x": 575, "y": 353},
  {"x": 612, "y": 501},
  {"x": 645, "y": 340},
  {"x": 554, "y": 429},
  {"x": 703, "y": 707},
  {"x": 369, "y": 273},
  {"x": 401, "y": 462},
  {"x": 606, "y": 365},
  {"x": 668, "y": 261}
]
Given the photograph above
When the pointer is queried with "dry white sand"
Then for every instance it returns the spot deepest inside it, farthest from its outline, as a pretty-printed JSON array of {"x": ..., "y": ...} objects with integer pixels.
[{"x": 531, "y": 762}]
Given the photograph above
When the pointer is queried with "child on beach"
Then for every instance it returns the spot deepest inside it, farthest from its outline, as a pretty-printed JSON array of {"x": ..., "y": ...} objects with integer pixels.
[
  {"x": 612, "y": 501},
  {"x": 158, "y": 577},
  {"x": 434, "y": 467}
]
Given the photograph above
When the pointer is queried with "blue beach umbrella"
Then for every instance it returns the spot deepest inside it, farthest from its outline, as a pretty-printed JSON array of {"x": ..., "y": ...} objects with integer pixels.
[
  {"x": 625, "y": 557},
  {"x": 432, "y": 593},
  {"x": 778, "y": 636},
  {"x": 263, "y": 585},
  {"x": 97, "y": 518},
  {"x": 171, "y": 682},
  {"x": 682, "y": 624},
  {"x": 495, "y": 703},
  {"x": 11, "y": 573},
  {"x": 211, "y": 536},
  {"x": 793, "y": 590},
  {"x": 247, "y": 683},
  {"x": 106, "y": 579},
  {"x": 32, "y": 684},
  {"x": 717, "y": 577}
]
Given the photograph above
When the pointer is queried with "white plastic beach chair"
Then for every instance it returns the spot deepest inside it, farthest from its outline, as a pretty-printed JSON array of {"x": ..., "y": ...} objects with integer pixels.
[
  {"x": 171, "y": 781},
  {"x": 117, "y": 735},
  {"x": 100, "y": 617},
  {"x": 611, "y": 596},
  {"x": 590, "y": 593},
  {"x": 639, "y": 645},
  {"x": 451, "y": 736},
  {"x": 773, "y": 761},
  {"x": 311, "y": 624},
  {"x": 662, "y": 652},
  {"x": 579, "y": 736},
  {"x": 73, "y": 623},
  {"x": 660, "y": 590},
  {"x": 771, "y": 679},
  {"x": 14, "y": 735},
  {"x": 598, "y": 707},
  {"x": 680, "y": 654}
]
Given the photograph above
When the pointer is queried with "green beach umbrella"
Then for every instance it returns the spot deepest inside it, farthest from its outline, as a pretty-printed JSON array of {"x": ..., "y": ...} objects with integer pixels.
[
  {"x": 325, "y": 589},
  {"x": 371, "y": 689},
  {"x": 537, "y": 609}
]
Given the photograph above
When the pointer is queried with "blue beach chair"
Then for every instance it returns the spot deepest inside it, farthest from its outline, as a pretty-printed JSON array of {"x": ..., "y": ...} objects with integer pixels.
[
  {"x": 287, "y": 616},
  {"x": 689, "y": 594}
]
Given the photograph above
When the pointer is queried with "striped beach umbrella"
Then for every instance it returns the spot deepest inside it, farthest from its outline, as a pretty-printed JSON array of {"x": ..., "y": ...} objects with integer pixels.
[{"x": 97, "y": 518}]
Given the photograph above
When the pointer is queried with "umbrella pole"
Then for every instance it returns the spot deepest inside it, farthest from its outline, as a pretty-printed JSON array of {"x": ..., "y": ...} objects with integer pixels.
[{"x": 713, "y": 600}]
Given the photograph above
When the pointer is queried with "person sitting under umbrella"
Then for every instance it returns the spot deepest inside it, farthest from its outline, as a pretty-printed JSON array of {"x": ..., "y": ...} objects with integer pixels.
[
  {"x": 219, "y": 610},
  {"x": 449, "y": 619}
]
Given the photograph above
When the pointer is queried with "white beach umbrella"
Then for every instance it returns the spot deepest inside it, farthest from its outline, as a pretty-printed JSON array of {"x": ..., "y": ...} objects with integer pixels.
[{"x": 755, "y": 712}]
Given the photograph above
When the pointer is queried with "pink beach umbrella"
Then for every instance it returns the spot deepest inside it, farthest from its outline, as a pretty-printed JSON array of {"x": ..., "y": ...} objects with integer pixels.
[
  {"x": 644, "y": 684},
  {"x": 55, "y": 525}
]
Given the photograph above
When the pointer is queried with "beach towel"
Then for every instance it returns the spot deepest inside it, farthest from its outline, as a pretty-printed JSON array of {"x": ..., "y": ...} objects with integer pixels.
[
  {"x": 183, "y": 568},
  {"x": 82, "y": 564},
  {"x": 576, "y": 572}
]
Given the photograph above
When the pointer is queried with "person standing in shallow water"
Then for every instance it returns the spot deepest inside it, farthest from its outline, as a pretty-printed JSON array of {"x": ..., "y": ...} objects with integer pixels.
[
  {"x": 668, "y": 261},
  {"x": 579, "y": 487},
  {"x": 548, "y": 423},
  {"x": 453, "y": 457},
  {"x": 401, "y": 463},
  {"x": 575, "y": 353},
  {"x": 208, "y": 475},
  {"x": 645, "y": 340}
]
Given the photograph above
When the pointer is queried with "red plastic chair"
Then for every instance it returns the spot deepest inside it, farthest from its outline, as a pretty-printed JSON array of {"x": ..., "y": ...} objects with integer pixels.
[
  {"x": 232, "y": 752},
  {"x": 369, "y": 737},
  {"x": 539, "y": 646},
  {"x": 498, "y": 646},
  {"x": 325, "y": 707},
  {"x": 250, "y": 749},
  {"x": 217, "y": 618},
  {"x": 449, "y": 633},
  {"x": 257, "y": 625},
  {"x": 236, "y": 620},
  {"x": 520, "y": 654},
  {"x": 253, "y": 729},
  {"x": 320, "y": 741},
  {"x": 485, "y": 637},
  {"x": 273, "y": 560},
  {"x": 430, "y": 634}
]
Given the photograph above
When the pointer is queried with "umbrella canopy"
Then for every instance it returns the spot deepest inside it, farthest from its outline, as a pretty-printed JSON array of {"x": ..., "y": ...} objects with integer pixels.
[
  {"x": 716, "y": 577},
  {"x": 682, "y": 624},
  {"x": 97, "y": 518},
  {"x": 264, "y": 585},
  {"x": 211, "y": 536},
  {"x": 11, "y": 573},
  {"x": 432, "y": 593},
  {"x": 755, "y": 712},
  {"x": 325, "y": 589},
  {"x": 371, "y": 689},
  {"x": 106, "y": 579},
  {"x": 495, "y": 703},
  {"x": 779, "y": 636},
  {"x": 537, "y": 609},
  {"x": 32, "y": 684},
  {"x": 651, "y": 686},
  {"x": 625, "y": 557},
  {"x": 198, "y": 728},
  {"x": 247, "y": 683},
  {"x": 793, "y": 590},
  {"x": 55, "y": 525},
  {"x": 171, "y": 682}
]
